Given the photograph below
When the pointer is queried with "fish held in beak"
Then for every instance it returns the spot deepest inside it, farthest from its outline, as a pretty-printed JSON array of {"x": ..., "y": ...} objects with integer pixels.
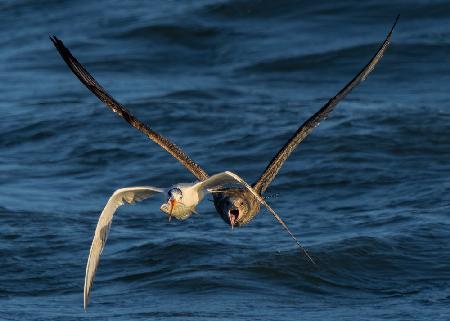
[{"x": 233, "y": 215}]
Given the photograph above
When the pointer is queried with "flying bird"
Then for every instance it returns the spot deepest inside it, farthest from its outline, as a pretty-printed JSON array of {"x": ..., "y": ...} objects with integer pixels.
[{"x": 236, "y": 206}]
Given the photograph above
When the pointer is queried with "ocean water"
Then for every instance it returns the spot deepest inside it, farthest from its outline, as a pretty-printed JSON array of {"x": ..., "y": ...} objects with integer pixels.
[{"x": 367, "y": 193}]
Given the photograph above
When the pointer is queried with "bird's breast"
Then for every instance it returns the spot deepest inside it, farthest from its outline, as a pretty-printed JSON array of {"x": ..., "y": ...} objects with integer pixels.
[{"x": 191, "y": 197}]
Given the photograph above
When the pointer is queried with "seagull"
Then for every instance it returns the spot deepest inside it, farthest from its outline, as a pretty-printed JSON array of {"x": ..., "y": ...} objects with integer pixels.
[
  {"x": 237, "y": 206},
  {"x": 181, "y": 199}
]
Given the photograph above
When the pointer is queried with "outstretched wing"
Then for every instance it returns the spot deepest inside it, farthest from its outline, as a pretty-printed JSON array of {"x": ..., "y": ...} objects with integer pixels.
[
  {"x": 128, "y": 195},
  {"x": 224, "y": 178},
  {"x": 275, "y": 164},
  {"x": 89, "y": 81}
]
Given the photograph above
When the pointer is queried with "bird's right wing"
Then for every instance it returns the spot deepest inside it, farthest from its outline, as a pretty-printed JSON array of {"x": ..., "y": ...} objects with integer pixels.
[
  {"x": 275, "y": 164},
  {"x": 217, "y": 181},
  {"x": 85, "y": 77},
  {"x": 128, "y": 195}
]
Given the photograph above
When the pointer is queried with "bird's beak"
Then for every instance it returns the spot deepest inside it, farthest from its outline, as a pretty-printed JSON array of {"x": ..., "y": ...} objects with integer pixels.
[{"x": 172, "y": 204}]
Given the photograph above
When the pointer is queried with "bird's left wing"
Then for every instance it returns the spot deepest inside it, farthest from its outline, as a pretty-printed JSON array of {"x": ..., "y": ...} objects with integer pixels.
[
  {"x": 128, "y": 195},
  {"x": 227, "y": 177},
  {"x": 304, "y": 130},
  {"x": 85, "y": 77}
]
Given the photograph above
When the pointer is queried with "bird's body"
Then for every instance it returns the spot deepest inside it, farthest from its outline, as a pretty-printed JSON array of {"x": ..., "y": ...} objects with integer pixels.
[
  {"x": 191, "y": 197},
  {"x": 231, "y": 202}
]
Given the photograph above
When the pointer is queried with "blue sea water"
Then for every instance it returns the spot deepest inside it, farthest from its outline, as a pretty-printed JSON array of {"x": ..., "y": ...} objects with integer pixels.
[{"x": 368, "y": 193}]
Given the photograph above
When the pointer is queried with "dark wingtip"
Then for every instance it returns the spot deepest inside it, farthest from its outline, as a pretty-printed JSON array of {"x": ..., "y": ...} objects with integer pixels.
[
  {"x": 395, "y": 23},
  {"x": 54, "y": 39},
  {"x": 58, "y": 44}
]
